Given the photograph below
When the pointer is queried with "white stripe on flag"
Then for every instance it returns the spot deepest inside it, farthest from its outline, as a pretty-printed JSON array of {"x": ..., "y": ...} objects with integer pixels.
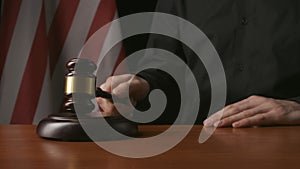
[
  {"x": 73, "y": 44},
  {"x": 17, "y": 56},
  {"x": 50, "y": 10}
]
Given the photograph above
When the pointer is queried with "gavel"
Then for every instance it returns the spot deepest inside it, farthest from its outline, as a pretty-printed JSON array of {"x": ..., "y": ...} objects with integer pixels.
[{"x": 80, "y": 89}]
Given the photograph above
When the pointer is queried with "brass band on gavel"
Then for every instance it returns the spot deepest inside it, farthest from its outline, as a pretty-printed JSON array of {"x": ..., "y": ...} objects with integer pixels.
[{"x": 80, "y": 84}]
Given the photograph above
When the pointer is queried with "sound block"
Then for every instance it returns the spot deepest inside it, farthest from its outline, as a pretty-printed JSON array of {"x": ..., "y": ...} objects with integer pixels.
[{"x": 66, "y": 127}]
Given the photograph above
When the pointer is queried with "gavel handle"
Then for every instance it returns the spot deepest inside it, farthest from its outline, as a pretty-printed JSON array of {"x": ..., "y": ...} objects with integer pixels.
[{"x": 103, "y": 94}]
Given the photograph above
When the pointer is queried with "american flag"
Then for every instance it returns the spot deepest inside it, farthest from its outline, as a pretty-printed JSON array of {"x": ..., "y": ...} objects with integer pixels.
[{"x": 37, "y": 38}]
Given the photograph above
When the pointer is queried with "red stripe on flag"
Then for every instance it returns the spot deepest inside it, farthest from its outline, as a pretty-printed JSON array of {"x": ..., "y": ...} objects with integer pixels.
[
  {"x": 32, "y": 82},
  {"x": 8, "y": 23},
  {"x": 105, "y": 14},
  {"x": 59, "y": 29}
]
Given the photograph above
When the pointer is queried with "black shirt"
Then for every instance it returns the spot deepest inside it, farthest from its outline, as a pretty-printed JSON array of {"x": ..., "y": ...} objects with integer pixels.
[{"x": 258, "y": 42}]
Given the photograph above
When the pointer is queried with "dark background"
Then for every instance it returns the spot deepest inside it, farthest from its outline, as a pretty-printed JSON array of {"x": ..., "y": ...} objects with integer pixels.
[{"x": 127, "y": 7}]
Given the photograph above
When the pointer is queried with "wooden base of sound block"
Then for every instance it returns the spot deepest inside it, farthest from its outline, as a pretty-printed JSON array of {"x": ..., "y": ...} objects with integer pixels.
[{"x": 66, "y": 127}]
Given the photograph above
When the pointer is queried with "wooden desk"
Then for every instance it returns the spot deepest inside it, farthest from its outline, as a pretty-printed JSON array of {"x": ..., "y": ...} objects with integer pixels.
[{"x": 266, "y": 148}]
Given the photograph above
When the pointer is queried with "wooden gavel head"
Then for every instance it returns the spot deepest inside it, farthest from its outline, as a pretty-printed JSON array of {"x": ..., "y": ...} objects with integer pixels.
[{"x": 81, "y": 83}]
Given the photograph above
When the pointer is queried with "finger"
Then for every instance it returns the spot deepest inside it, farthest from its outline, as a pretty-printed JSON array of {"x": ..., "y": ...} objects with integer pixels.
[
  {"x": 113, "y": 81},
  {"x": 257, "y": 120},
  {"x": 227, "y": 112},
  {"x": 122, "y": 90},
  {"x": 106, "y": 107},
  {"x": 228, "y": 121},
  {"x": 210, "y": 121},
  {"x": 108, "y": 114},
  {"x": 248, "y": 103},
  {"x": 232, "y": 109},
  {"x": 105, "y": 87}
]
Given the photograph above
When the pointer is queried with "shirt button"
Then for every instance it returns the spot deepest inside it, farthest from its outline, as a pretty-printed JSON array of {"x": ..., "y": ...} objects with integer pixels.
[
  {"x": 241, "y": 67},
  {"x": 244, "y": 21}
]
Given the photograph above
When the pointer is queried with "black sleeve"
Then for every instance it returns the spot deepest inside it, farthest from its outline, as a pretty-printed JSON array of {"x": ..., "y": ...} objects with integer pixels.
[
  {"x": 296, "y": 99},
  {"x": 1, "y": 12},
  {"x": 155, "y": 77},
  {"x": 159, "y": 79}
]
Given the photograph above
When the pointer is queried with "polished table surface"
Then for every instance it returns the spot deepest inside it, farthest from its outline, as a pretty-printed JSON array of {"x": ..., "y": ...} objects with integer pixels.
[{"x": 266, "y": 148}]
